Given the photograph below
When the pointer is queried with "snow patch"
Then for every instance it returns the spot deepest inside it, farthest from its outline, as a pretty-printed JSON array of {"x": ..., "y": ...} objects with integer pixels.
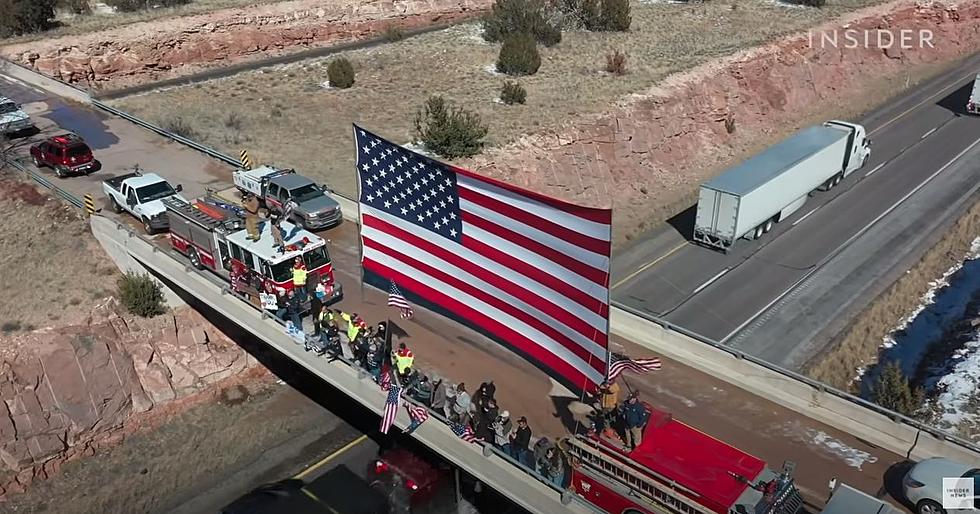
[
  {"x": 657, "y": 2},
  {"x": 960, "y": 385},
  {"x": 930, "y": 326},
  {"x": 469, "y": 32},
  {"x": 492, "y": 69},
  {"x": 686, "y": 401},
  {"x": 787, "y": 5},
  {"x": 419, "y": 148},
  {"x": 326, "y": 85},
  {"x": 852, "y": 456}
]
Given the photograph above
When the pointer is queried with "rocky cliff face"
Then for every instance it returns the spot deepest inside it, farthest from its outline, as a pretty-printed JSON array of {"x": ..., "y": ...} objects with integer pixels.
[
  {"x": 161, "y": 49},
  {"x": 655, "y": 148},
  {"x": 68, "y": 391}
]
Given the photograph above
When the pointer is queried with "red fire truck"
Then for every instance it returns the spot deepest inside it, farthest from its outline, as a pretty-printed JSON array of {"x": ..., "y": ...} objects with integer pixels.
[
  {"x": 211, "y": 234},
  {"x": 677, "y": 469}
]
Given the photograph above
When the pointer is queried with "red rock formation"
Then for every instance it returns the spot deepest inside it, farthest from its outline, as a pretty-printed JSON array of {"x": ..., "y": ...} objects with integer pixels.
[
  {"x": 67, "y": 391},
  {"x": 656, "y": 147},
  {"x": 161, "y": 49}
]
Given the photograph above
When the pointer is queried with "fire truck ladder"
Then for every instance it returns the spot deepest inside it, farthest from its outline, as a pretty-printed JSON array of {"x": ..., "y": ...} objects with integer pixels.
[
  {"x": 649, "y": 485},
  {"x": 188, "y": 211}
]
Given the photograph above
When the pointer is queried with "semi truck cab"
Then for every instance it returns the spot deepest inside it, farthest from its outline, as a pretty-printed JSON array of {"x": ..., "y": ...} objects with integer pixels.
[{"x": 859, "y": 143}]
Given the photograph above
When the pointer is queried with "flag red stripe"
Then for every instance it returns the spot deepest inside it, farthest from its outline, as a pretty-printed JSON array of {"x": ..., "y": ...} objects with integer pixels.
[
  {"x": 586, "y": 271},
  {"x": 508, "y": 334},
  {"x": 498, "y": 303},
  {"x": 522, "y": 293},
  {"x": 590, "y": 213},
  {"x": 564, "y": 233},
  {"x": 540, "y": 276}
]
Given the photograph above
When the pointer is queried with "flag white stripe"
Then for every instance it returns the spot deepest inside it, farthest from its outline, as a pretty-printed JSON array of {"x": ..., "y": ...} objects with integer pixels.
[
  {"x": 530, "y": 332},
  {"x": 571, "y": 250},
  {"x": 596, "y": 291},
  {"x": 573, "y": 279},
  {"x": 590, "y": 228},
  {"x": 421, "y": 255}
]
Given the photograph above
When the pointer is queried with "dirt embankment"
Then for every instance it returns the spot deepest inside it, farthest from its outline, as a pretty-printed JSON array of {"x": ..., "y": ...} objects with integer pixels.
[
  {"x": 649, "y": 154},
  {"x": 859, "y": 344},
  {"x": 160, "y": 49},
  {"x": 70, "y": 391}
]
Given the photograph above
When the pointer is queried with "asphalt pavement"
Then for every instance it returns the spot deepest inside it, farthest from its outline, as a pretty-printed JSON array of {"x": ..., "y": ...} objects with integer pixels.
[{"x": 921, "y": 171}]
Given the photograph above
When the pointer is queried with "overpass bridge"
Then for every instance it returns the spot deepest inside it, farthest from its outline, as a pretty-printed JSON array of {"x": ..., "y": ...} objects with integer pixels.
[{"x": 769, "y": 412}]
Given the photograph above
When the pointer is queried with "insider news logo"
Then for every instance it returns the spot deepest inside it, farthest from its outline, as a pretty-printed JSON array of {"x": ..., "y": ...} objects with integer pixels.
[
  {"x": 884, "y": 39},
  {"x": 960, "y": 493}
]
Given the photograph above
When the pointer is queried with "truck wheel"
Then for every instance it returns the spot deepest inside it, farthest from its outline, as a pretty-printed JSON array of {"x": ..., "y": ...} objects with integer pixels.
[
  {"x": 758, "y": 232},
  {"x": 37, "y": 163},
  {"x": 146, "y": 227},
  {"x": 837, "y": 179},
  {"x": 195, "y": 259},
  {"x": 768, "y": 227},
  {"x": 59, "y": 171},
  {"x": 114, "y": 205}
]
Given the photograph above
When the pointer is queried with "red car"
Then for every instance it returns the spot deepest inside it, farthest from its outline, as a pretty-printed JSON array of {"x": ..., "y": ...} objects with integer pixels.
[
  {"x": 422, "y": 480},
  {"x": 66, "y": 154}
]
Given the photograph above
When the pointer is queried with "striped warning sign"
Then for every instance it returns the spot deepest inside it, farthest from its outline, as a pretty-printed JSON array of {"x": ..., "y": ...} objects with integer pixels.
[
  {"x": 246, "y": 160},
  {"x": 89, "y": 205}
]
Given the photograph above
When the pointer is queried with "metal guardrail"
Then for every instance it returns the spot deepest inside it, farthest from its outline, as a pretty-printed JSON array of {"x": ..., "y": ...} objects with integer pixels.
[
  {"x": 820, "y": 386},
  {"x": 44, "y": 182}
]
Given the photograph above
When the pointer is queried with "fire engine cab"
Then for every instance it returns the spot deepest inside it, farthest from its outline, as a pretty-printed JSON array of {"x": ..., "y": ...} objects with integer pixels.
[
  {"x": 212, "y": 235},
  {"x": 677, "y": 469}
]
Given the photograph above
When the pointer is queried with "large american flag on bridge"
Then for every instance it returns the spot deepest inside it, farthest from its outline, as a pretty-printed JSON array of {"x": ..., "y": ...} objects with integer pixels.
[{"x": 532, "y": 271}]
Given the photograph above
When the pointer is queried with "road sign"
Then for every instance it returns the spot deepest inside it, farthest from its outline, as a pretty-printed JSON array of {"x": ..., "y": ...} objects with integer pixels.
[
  {"x": 89, "y": 205},
  {"x": 246, "y": 160}
]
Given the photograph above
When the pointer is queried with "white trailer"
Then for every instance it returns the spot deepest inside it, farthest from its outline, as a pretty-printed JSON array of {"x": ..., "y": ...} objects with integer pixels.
[
  {"x": 748, "y": 199},
  {"x": 973, "y": 105}
]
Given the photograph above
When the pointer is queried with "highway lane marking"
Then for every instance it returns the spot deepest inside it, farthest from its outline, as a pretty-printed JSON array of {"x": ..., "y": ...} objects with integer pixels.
[
  {"x": 648, "y": 265},
  {"x": 23, "y": 84},
  {"x": 710, "y": 280},
  {"x": 928, "y": 133},
  {"x": 876, "y": 168},
  {"x": 323, "y": 462},
  {"x": 920, "y": 104},
  {"x": 847, "y": 243},
  {"x": 808, "y": 214}
]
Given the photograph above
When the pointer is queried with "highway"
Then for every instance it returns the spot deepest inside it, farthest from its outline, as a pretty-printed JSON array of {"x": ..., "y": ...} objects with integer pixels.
[
  {"x": 754, "y": 424},
  {"x": 921, "y": 170}
]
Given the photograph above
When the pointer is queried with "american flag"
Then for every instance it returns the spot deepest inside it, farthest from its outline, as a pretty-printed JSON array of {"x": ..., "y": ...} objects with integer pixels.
[
  {"x": 395, "y": 299},
  {"x": 464, "y": 432},
  {"x": 617, "y": 367},
  {"x": 530, "y": 270},
  {"x": 416, "y": 412},
  {"x": 391, "y": 408}
]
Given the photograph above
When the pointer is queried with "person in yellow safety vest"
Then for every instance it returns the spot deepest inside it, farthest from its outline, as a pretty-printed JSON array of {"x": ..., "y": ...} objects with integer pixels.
[
  {"x": 403, "y": 358},
  {"x": 354, "y": 325},
  {"x": 299, "y": 278},
  {"x": 322, "y": 319}
]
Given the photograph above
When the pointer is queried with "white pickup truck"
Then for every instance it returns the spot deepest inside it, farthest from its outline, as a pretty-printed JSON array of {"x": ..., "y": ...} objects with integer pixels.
[
  {"x": 142, "y": 196},
  {"x": 973, "y": 105},
  {"x": 12, "y": 118}
]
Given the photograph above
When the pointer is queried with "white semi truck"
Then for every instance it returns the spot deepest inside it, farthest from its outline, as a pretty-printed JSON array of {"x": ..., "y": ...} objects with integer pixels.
[
  {"x": 973, "y": 104},
  {"x": 748, "y": 199}
]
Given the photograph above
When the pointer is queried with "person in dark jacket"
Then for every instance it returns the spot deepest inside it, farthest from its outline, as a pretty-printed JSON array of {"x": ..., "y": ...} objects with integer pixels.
[
  {"x": 519, "y": 441},
  {"x": 485, "y": 417},
  {"x": 635, "y": 416},
  {"x": 294, "y": 309}
]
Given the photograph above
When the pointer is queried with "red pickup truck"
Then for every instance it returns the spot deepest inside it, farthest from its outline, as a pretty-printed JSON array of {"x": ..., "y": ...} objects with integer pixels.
[{"x": 66, "y": 154}]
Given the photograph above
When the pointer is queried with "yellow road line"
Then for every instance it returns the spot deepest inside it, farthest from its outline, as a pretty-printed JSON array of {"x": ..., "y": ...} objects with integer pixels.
[
  {"x": 648, "y": 265},
  {"x": 331, "y": 457},
  {"x": 920, "y": 104}
]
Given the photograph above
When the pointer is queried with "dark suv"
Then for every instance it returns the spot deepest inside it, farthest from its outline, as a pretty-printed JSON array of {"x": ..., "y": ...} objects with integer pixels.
[{"x": 66, "y": 154}]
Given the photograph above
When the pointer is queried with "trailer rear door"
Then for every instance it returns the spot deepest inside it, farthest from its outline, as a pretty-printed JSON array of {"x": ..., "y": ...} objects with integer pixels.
[{"x": 717, "y": 214}]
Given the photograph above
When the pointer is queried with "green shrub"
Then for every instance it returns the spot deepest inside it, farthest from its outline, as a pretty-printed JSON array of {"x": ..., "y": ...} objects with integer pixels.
[
  {"x": 26, "y": 16},
  {"x": 143, "y": 5},
  {"x": 615, "y": 15},
  {"x": 519, "y": 55},
  {"x": 893, "y": 391},
  {"x": 75, "y": 6},
  {"x": 813, "y": 3},
  {"x": 181, "y": 127},
  {"x": 512, "y": 93},
  {"x": 448, "y": 130},
  {"x": 509, "y": 17},
  {"x": 589, "y": 14},
  {"x": 341, "y": 73},
  {"x": 141, "y": 295}
]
